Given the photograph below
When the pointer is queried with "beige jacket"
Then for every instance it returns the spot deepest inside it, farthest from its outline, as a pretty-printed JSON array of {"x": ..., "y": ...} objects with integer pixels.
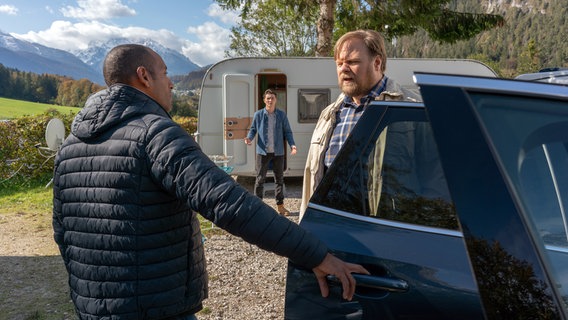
[{"x": 313, "y": 171}]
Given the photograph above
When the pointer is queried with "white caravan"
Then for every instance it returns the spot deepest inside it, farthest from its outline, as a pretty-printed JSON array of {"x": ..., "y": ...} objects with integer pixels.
[{"x": 232, "y": 91}]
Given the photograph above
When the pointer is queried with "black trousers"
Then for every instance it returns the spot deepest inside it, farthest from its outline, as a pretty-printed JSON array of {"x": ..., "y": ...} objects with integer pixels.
[{"x": 262, "y": 163}]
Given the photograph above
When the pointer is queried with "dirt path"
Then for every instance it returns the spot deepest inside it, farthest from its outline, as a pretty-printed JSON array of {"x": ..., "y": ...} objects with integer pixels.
[
  {"x": 33, "y": 281},
  {"x": 245, "y": 282}
]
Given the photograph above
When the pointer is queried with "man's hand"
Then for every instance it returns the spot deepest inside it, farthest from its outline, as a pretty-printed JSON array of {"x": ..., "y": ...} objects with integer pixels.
[
  {"x": 247, "y": 141},
  {"x": 294, "y": 150},
  {"x": 342, "y": 271}
]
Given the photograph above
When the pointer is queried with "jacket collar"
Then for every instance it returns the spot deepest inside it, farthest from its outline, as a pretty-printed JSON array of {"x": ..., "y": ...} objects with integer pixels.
[{"x": 110, "y": 106}]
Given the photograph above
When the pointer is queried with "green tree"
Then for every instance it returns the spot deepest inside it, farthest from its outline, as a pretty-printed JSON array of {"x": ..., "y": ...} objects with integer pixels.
[
  {"x": 74, "y": 93},
  {"x": 529, "y": 59},
  {"x": 487, "y": 61},
  {"x": 404, "y": 17},
  {"x": 273, "y": 29},
  {"x": 45, "y": 88},
  {"x": 541, "y": 21},
  {"x": 184, "y": 105}
]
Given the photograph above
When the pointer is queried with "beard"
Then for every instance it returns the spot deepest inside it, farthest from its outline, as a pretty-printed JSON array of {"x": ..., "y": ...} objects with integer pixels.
[
  {"x": 352, "y": 89},
  {"x": 355, "y": 89},
  {"x": 357, "y": 86}
]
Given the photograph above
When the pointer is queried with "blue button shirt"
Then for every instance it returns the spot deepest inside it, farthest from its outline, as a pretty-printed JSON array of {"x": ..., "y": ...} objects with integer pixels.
[{"x": 281, "y": 130}]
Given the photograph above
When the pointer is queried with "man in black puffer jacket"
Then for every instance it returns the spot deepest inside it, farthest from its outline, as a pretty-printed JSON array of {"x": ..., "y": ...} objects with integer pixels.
[{"x": 128, "y": 183}]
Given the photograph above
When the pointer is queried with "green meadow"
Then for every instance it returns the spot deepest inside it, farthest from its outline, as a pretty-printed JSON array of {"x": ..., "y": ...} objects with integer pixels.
[{"x": 11, "y": 109}]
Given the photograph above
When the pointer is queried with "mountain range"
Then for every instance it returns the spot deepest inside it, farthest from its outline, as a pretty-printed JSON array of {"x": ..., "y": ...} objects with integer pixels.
[
  {"x": 36, "y": 58},
  {"x": 533, "y": 37}
]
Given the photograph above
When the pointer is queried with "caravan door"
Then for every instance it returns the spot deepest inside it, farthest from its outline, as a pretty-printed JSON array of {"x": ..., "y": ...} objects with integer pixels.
[{"x": 238, "y": 109}]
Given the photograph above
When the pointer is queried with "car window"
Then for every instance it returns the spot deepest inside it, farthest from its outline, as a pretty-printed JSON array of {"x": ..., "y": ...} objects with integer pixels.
[
  {"x": 530, "y": 139},
  {"x": 394, "y": 174},
  {"x": 533, "y": 147},
  {"x": 410, "y": 185},
  {"x": 543, "y": 178}
]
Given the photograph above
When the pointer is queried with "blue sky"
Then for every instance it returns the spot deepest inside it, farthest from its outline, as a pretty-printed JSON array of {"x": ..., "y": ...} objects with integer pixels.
[{"x": 197, "y": 28}]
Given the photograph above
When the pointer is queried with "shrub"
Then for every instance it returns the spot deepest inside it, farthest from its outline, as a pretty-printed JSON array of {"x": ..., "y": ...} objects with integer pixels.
[
  {"x": 20, "y": 156},
  {"x": 188, "y": 123},
  {"x": 22, "y": 159},
  {"x": 8, "y": 147}
]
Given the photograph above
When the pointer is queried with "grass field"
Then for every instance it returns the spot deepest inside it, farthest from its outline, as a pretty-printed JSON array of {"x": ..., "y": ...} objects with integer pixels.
[{"x": 11, "y": 109}]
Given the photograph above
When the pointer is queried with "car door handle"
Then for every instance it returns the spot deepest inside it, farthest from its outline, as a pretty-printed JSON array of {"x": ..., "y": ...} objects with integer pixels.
[{"x": 375, "y": 282}]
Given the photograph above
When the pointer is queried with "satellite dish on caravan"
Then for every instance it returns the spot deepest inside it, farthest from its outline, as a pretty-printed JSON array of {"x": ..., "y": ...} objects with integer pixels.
[{"x": 54, "y": 134}]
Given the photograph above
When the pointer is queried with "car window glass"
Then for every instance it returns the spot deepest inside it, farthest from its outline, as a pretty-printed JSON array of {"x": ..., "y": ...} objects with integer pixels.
[
  {"x": 408, "y": 183},
  {"x": 530, "y": 138},
  {"x": 533, "y": 148},
  {"x": 397, "y": 176},
  {"x": 543, "y": 177}
]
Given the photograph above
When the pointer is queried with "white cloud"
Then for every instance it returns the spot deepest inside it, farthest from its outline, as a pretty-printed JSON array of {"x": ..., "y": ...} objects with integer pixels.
[
  {"x": 226, "y": 16},
  {"x": 77, "y": 36},
  {"x": 8, "y": 9},
  {"x": 69, "y": 36},
  {"x": 98, "y": 10},
  {"x": 213, "y": 41}
]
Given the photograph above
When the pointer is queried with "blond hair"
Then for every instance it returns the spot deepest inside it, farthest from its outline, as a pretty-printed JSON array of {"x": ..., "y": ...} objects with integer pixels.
[{"x": 372, "y": 39}]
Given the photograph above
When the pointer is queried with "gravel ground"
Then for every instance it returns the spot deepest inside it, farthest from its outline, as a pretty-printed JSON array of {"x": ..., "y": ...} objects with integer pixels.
[{"x": 246, "y": 282}]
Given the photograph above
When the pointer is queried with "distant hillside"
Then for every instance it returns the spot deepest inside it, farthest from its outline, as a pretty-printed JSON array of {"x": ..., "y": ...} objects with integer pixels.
[
  {"x": 191, "y": 81},
  {"x": 534, "y": 37}
]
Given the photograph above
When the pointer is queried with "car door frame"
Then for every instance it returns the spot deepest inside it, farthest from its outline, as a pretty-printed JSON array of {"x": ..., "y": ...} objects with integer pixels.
[
  {"x": 425, "y": 246},
  {"x": 468, "y": 157}
]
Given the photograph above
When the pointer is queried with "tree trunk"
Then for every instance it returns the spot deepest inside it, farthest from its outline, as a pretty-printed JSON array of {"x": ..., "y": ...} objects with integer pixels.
[{"x": 325, "y": 25}]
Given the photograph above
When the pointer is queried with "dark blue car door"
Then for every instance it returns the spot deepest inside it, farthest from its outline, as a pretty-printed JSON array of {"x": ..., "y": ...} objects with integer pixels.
[
  {"x": 503, "y": 145},
  {"x": 385, "y": 204}
]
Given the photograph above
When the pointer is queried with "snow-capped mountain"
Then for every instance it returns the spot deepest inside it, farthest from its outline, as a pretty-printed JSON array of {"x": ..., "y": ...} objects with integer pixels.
[
  {"x": 177, "y": 63},
  {"x": 36, "y": 58}
]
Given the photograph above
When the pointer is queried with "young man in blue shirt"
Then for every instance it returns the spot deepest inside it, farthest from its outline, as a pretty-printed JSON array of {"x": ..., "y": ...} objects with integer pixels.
[{"x": 273, "y": 130}]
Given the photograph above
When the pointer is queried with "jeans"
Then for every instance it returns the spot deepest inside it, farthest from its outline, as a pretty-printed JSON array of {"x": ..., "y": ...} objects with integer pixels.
[{"x": 262, "y": 163}]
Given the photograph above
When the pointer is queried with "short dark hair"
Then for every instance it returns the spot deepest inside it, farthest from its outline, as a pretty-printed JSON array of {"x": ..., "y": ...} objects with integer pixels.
[
  {"x": 268, "y": 91},
  {"x": 122, "y": 61}
]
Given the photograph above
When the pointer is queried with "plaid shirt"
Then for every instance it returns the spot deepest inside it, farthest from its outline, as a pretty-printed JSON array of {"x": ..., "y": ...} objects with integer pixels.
[{"x": 346, "y": 118}]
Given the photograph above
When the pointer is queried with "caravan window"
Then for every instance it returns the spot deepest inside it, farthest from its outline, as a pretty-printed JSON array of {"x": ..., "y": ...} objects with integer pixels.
[{"x": 311, "y": 102}]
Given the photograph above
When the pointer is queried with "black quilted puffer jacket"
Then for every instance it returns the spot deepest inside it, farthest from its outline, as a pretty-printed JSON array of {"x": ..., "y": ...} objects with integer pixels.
[{"x": 128, "y": 183}]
